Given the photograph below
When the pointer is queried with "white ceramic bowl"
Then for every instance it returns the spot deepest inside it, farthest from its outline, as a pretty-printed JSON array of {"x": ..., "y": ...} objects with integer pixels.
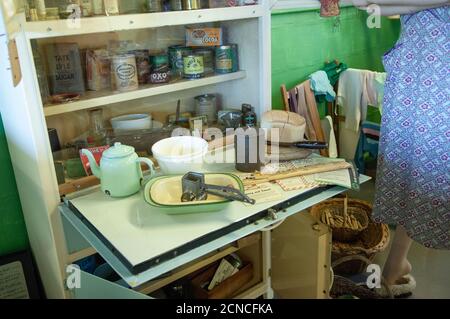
[
  {"x": 131, "y": 122},
  {"x": 180, "y": 154}
]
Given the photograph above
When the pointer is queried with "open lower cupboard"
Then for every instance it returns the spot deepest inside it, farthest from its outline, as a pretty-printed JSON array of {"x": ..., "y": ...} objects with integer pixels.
[{"x": 265, "y": 236}]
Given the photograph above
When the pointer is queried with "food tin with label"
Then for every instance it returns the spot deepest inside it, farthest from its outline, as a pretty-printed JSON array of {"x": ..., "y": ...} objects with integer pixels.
[
  {"x": 159, "y": 66},
  {"x": 224, "y": 59},
  {"x": 125, "y": 72},
  {"x": 176, "y": 54},
  {"x": 204, "y": 37},
  {"x": 142, "y": 65},
  {"x": 159, "y": 62},
  {"x": 193, "y": 66},
  {"x": 208, "y": 59}
]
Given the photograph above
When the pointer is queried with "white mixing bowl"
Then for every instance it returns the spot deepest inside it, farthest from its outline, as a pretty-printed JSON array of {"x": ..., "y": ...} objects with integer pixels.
[
  {"x": 180, "y": 154},
  {"x": 131, "y": 122}
]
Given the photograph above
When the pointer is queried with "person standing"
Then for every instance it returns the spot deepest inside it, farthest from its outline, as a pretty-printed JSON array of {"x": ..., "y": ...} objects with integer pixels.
[{"x": 413, "y": 176}]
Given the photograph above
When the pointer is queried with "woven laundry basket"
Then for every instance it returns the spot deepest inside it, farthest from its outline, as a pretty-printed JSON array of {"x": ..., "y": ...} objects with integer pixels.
[{"x": 368, "y": 243}]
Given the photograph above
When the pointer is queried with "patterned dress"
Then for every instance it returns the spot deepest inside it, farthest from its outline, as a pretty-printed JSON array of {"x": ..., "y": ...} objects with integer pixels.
[{"x": 413, "y": 181}]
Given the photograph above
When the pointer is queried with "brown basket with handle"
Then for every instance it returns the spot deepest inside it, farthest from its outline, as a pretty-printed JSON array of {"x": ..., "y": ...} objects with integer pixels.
[
  {"x": 371, "y": 241},
  {"x": 346, "y": 217}
]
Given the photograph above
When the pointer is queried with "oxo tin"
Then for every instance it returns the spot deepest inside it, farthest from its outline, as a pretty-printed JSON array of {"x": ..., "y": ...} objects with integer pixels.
[{"x": 193, "y": 66}]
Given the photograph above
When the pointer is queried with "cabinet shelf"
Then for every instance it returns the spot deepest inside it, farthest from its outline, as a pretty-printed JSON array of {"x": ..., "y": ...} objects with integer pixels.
[
  {"x": 92, "y": 99},
  {"x": 60, "y": 28}
]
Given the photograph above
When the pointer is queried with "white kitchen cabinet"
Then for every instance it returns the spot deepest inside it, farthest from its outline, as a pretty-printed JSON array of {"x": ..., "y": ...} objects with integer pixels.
[
  {"x": 57, "y": 238},
  {"x": 26, "y": 119}
]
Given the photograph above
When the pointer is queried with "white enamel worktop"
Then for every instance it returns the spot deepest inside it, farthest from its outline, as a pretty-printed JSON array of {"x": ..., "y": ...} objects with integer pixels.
[{"x": 141, "y": 232}]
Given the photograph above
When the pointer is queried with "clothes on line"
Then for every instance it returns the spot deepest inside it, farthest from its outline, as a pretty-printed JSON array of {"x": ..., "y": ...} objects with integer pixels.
[
  {"x": 334, "y": 70},
  {"x": 357, "y": 90},
  {"x": 301, "y": 99},
  {"x": 322, "y": 87}
]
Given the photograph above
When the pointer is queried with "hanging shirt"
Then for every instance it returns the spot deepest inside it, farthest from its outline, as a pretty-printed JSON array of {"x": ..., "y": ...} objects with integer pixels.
[{"x": 357, "y": 90}]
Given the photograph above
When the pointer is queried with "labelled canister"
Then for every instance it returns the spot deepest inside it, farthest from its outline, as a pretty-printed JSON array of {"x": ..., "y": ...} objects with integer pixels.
[
  {"x": 193, "y": 67},
  {"x": 224, "y": 59},
  {"x": 125, "y": 72},
  {"x": 159, "y": 62},
  {"x": 208, "y": 59},
  {"x": 142, "y": 65},
  {"x": 159, "y": 68},
  {"x": 176, "y": 54}
]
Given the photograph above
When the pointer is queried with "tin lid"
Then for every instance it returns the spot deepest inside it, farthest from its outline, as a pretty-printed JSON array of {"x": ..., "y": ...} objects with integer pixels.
[
  {"x": 118, "y": 150},
  {"x": 205, "y": 97}
]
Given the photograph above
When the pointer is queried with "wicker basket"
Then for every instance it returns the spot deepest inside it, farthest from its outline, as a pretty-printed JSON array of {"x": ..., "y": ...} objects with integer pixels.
[
  {"x": 374, "y": 239},
  {"x": 343, "y": 286},
  {"x": 342, "y": 208}
]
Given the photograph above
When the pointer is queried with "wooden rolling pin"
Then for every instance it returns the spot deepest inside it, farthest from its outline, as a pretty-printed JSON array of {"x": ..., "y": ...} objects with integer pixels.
[{"x": 259, "y": 178}]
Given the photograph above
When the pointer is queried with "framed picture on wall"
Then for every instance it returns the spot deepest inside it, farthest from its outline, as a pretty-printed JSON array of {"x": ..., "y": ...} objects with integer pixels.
[{"x": 18, "y": 277}]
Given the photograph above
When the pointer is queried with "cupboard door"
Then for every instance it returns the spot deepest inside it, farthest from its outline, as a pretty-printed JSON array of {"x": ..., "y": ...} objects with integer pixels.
[
  {"x": 92, "y": 287},
  {"x": 301, "y": 258}
]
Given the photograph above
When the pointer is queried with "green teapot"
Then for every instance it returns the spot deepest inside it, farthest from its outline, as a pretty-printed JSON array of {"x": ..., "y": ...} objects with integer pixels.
[{"x": 120, "y": 170}]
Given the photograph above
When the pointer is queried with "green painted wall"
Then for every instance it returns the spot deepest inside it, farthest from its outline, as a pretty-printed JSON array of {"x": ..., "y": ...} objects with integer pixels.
[
  {"x": 302, "y": 41},
  {"x": 13, "y": 235}
]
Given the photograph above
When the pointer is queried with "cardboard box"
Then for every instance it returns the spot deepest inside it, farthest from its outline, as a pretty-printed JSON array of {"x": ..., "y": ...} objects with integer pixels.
[{"x": 204, "y": 37}]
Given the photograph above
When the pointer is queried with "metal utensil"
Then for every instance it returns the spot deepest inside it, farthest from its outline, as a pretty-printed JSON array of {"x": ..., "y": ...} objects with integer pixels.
[
  {"x": 195, "y": 189},
  {"x": 311, "y": 145}
]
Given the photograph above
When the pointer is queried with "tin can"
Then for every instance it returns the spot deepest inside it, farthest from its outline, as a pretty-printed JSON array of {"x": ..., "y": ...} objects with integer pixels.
[
  {"x": 224, "y": 59},
  {"x": 206, "y": 105},
  {"x": 176, "y": 54},
  {"x": 191, "y": 4},
  {"x": 176, "y": 5},
  {"x": 159, "y": 62},
  {"x": 154, "y": 5},
  {"x": 208, "y": 59},
  {"x": 193, "y": 66},
  {"x": 159, "y": 69},
  {"x": 142, "y": 65},
  {"x": 125, "y": 72}
]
